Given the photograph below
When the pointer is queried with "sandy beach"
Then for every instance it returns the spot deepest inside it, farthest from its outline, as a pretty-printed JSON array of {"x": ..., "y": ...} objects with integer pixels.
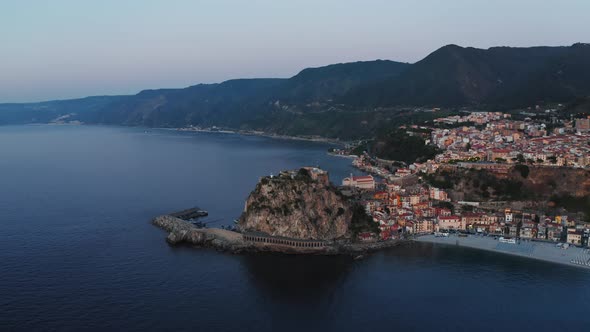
[{"x": 549, "y": 252}]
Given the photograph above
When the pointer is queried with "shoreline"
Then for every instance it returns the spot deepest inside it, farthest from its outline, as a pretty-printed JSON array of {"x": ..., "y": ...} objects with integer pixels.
[
  {"x": 261, "y": 134},
  {"x": 540, "y": 251},
  {"x": 333, "y": 141},
  {"x": 183, "y": 232}
]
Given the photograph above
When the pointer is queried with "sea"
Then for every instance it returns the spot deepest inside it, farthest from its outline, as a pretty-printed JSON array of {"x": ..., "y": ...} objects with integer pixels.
[{"x": 78, "y": 252}]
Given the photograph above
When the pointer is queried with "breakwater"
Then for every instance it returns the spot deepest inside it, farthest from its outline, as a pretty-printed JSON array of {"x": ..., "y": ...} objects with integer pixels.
[{"x": 183, "y": 232}]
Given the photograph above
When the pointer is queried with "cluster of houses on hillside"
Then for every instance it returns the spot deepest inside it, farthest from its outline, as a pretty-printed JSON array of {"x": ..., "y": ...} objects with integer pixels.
[
  {"x": 497, "y": 138},
  {"x": 495, "y": 143},
  {"x": 492, "y": 141},
  {"x": 480, "y": 140},
  {"x": 420, "y": 209}
]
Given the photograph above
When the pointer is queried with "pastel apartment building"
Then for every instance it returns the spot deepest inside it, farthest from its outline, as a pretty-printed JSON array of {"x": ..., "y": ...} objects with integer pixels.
[{"x": 449, "y": 223}]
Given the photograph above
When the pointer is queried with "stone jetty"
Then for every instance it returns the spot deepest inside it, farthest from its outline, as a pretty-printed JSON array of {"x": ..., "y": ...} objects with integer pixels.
[{"x": 183, "y": 232}]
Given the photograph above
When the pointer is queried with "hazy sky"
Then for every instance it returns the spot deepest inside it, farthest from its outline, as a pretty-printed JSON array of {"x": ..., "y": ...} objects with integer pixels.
[{"x": 72, "y": 48}]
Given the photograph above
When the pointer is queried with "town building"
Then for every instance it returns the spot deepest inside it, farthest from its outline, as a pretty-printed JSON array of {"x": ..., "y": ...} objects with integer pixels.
[
  {"x": 365, "y": 182},
  {"x": 438, "y": 194},
  {"x": 574, "y": 238},
  {"x": 449, "y": 223},
  {"x": 423, "y": 226},
  {"x": 583, "y": 125}
]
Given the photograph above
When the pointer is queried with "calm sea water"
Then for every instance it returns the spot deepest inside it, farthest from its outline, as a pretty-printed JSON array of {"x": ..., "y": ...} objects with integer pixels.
[{"x": 77, "y": 251}]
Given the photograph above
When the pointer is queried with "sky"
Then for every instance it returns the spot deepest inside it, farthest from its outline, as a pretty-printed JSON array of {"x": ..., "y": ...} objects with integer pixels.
[{"x": 60, "y": 49}]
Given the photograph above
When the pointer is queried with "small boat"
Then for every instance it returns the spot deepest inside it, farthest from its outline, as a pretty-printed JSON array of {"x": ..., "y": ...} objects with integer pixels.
[
  {"x": 189, "y": 214},
  {"x": 507, "y": 240}
]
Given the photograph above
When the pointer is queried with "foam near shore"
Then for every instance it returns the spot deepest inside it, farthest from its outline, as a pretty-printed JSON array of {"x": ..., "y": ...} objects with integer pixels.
[{"x": 549, "y": 252}]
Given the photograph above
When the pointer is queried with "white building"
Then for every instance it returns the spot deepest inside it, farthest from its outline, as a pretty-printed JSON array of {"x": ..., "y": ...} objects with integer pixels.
[
  {"x": 438, "y": 194},
  {"x": 366, "y": 182}
]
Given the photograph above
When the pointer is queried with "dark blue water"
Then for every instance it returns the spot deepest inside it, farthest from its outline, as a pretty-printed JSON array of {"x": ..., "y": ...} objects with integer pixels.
[{"x": 77, "y": 251}]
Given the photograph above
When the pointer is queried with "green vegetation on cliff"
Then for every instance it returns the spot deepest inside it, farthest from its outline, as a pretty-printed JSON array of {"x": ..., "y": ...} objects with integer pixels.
[
  {"x": 398, "y": 145},
  {"x": 572, "y": 204},
  {"x": 362, "y": 222},
  {"x": 523, "y": 170},
  {"x": 495, "y": 77},
  {"x": 521, "y": 182},
  {"x": 480, "y": 185}
]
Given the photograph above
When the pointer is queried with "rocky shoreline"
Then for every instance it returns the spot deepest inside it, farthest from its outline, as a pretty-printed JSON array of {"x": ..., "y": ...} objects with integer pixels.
[{"x": 183, "y": 232}]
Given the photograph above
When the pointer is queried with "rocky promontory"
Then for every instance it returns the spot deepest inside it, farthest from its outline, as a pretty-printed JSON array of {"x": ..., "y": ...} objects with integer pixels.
[
  {"x": 183, "y": 232},
  {"x": 302, "y": 204},
  {"x": 296, "y": 212}
]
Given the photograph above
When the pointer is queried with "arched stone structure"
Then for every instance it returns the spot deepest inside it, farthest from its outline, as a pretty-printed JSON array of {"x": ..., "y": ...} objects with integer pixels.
[{"x": 262, "y": 240}]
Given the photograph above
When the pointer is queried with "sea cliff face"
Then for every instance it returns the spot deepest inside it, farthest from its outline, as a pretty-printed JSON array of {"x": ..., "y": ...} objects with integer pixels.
[{"x": 301, "y": 205}]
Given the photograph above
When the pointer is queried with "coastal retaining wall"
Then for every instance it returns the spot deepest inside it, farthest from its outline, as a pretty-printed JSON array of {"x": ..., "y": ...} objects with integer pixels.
[
  {"x": 271, "y": 241},
  {"x": 181, "y": 231}
]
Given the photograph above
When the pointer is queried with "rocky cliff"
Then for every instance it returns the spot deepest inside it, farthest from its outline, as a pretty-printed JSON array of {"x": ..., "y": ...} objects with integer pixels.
[
  {"x": 550, "y": 181},
  {"x": 520, "y": 182},
  {"x": 299, "y": 204}
]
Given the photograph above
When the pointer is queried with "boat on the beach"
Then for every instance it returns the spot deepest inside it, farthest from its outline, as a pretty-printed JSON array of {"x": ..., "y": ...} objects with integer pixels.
[{"x": 507, "y": 240}]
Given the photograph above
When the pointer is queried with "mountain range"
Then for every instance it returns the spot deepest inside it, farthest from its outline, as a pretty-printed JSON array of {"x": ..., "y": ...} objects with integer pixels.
[
  {"x": 498, "y": 76},
  {"x": 343, "y": 100}
]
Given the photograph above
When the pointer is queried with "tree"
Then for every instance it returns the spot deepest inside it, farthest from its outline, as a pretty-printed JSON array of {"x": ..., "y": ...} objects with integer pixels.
[
  {"x": 466, "y": 208},
  {"x": 520, "y": 158},
  {"x": 523, "y": 169},
  {"x": 398, "y": 145},
  {"x": 518, "y": 227},
  {"x": 361, "y": 221}
]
